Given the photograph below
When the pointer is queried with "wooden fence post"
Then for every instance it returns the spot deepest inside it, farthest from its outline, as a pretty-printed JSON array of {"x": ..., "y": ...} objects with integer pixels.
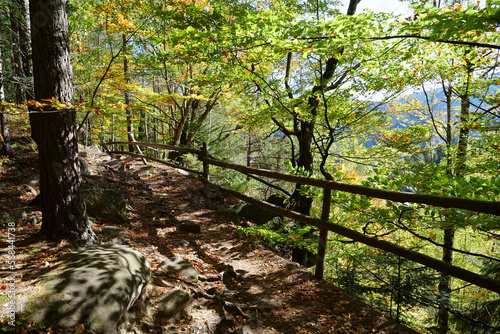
[
  {"x": 206, "y": 175},
  {"x": 323, "y": 234}
]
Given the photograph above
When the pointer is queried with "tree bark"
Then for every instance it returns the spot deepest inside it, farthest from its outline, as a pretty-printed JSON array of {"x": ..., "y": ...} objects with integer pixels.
[
  {"x": 17, "y": 63},
  {"x": 54, "y": 131},
  {"x": 130, "y": 120},
  {"x": 25, "y": 46},
  {"x": 3, "y": 117}
]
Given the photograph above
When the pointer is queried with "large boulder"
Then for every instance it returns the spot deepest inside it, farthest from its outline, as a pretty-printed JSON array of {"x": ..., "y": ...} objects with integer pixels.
[
  {"x": 93, "y": 286},
  {"x": 100, "y": 204},
  {"x": 253, "y": 213},
  {"x": 84, "y": 167},
  {"x": 250, "y": 212}
]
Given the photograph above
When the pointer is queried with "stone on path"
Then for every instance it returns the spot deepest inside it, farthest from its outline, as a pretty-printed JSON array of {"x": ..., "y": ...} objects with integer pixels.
[
  {"x": 189, "y": 227},
  {"x": 14, "y": 215},
  {"x": 112, "y": 230},
  {"x": 179, "y": 266},
  {"x": 144, "y": 171},
  {"x": 172, "y": 303},
  {"x": 93, "y": 286},
  {"x": 182, "y": 172},
  {"x": 243, "y": 330}
]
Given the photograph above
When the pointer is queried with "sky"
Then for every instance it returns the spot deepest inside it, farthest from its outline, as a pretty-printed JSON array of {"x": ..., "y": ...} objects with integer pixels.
[{"x": 387, "y": 6}]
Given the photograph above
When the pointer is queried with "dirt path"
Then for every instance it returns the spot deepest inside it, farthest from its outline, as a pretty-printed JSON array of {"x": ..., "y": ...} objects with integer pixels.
[{"x": 261, "y": 290}]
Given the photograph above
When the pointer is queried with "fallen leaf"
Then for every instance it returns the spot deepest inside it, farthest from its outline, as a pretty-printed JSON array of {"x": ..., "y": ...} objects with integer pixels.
[{"x": 79, "y": 328}]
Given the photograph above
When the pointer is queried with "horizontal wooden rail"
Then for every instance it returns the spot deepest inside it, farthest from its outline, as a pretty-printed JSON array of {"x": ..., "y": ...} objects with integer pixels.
[
  {"x": 166, "y": 147},
  {"x": 489, "y": 207},
  {"x": 446, "y": 268},
  {"x": 157, "y": 160}
]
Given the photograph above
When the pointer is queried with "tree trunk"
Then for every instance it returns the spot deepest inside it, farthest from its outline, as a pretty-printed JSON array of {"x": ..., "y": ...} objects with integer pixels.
[
  {"x": 305, "y": 133},
  {"x": 130, "y": 121},
  {"x": 444, "y": 286},
  {"x": 54, "y": 131},
  {"x": 25, "y": 46},
  {"x": 17, "y": 64},
  {"x": 300, "y": 201},
  {"x": 3, "y": 117}
]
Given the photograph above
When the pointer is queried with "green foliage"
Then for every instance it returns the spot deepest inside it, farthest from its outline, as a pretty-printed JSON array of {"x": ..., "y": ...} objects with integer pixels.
[{"x": 294, "y": 235}]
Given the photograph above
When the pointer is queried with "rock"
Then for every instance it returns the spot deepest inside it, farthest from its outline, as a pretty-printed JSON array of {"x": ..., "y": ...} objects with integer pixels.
[
  {"x": 243, "y": 330},
  {"x": 229, "y": 275},
  {"x": 93, "y": 286},
  {"x": 182, "y": 243},
  {"x": 84, "y": 167},
  {"x": 94, "y": 150},
  {"x": 112, "y": 230},
  {"x": 303, "y": 257},
  {"x": 33, "y": 220},
  {"x": 274, "y": 224},
  {"x": 116, "y": 164},
  {"x": 144, "y": 171},
  {"x": 268, "y": 303},
  {"x": 179, "y": 266},
  {"x": 34, "y": 183},
  {"x": 100, "y": 206},
  {"x": 250, "y": 212},
  {"x": 255, "y": 214},
  {"x": 2, "y": 185},
  {"x": 117, "y": 241},
  {"x": 14, "y": 215},
  {"x": 30, "y": 190},
  {"x": 182, "y": 172},
  {"x": 189, "y": 227},
  {"x": 172, "y": 303},
  {"x": 116, "y": 198}
]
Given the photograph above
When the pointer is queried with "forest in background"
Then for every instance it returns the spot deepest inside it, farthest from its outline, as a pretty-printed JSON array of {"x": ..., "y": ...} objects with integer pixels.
[{"x": 315, "y": 89}]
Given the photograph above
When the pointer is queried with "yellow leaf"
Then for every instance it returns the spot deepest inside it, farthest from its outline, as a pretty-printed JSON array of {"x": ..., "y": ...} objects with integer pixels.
[{"x": 79, "y": 328}]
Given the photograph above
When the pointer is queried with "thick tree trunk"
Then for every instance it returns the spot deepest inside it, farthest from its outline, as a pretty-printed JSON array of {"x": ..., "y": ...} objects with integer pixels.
[{"x": 63, "y": 210}]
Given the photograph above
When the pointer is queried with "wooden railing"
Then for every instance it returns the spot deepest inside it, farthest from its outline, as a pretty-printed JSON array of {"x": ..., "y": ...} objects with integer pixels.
[{"x": 323, "y": 223}]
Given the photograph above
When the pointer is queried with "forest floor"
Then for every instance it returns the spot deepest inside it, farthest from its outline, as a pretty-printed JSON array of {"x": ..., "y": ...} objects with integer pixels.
[{"x": 268, "y": 293}]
